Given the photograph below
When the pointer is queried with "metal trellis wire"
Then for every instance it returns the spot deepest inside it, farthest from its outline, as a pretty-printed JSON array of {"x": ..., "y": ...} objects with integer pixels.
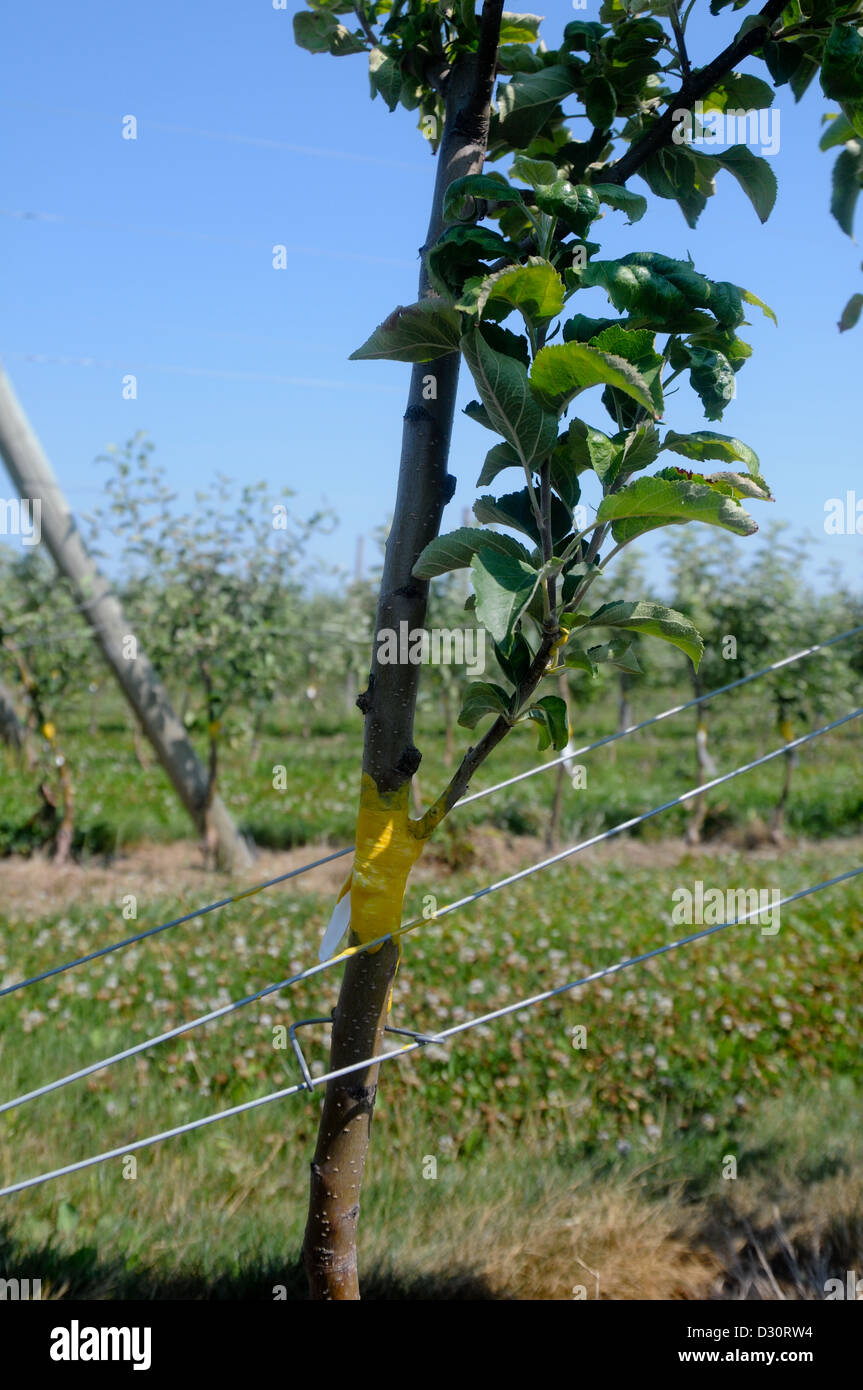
[
  {"x": 417, "y": 1042},
  {"x": 475, "y": 796},
  {"x": 414, "y": 923}
]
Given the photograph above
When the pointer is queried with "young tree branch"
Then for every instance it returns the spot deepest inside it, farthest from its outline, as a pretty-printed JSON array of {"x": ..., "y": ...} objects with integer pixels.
[
  {"x": 680, "y": 40},
  {"x": 364, "y": 23},
  {"x": 476, "y": 756},
  {"x": 696, "y": 86}
]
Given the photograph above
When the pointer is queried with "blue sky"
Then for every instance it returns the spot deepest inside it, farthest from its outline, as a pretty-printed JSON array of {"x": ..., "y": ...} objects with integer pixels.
[{"x": 154, "y": 256}]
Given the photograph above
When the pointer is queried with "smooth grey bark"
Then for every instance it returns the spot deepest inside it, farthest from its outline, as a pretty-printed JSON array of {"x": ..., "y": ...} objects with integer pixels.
[{"x": 34, "y": 478}]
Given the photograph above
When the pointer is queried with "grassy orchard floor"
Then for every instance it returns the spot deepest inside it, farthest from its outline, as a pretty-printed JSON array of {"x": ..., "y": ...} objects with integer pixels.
[
  {"x": 682, "y": 1056},
  {"x": 745, "y": 1044}
]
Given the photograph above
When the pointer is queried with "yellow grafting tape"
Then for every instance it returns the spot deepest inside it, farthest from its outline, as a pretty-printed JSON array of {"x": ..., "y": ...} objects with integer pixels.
[
  {"x": 387, "y": 849},
  {"x": 553, "y": 651},
  {"x": 388, "y": 845}
]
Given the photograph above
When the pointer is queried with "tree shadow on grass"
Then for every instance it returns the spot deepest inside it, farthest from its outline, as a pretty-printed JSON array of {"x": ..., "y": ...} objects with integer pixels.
[{"x": 83, "y": 1274}]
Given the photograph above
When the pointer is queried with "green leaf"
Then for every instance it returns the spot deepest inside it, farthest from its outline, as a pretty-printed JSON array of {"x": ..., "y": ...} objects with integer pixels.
[
  {"x": 667, "y": 293},
  {"x": 732, "y": 347},
  {"x": 640, "y": 447},
  {"x": 572, "y": 447},
  {"x": 582, "y": 35},
  {"x": 419, "y": 333},
  {"x": 577, "y": 659},
  {"x": 847, "y": 182},
  {"x": 754, "y": 175},
  {"x": 808, "y": 67},
  {"x": 500, "y": 457},
  {"x": 704, "y": 444},
  {"x": 551, "y": 714},
  {"x": 600, "y": 102},
  {"x": 468, "y": 15},
  {"x": 678, "y": 173},
  {"x": 576, "y": 205},
  {"x": 633, "y": 345},
  {"x": 525, "y": 104},
  {"x": 463, "y": 193},
  {"x": 343, "y": 42},
  {"x": 741, "y": 485},
  {"x": 842, "y": 64},
  {"x": 563, "y": 473},
  {"x": 562, "y": 370},
  {"x": 518, "y": 57},
  {"x": 459, "y": 253},
  {"x": 580, "y": 328},
  {"x": 535, "y": 172},
  {"x": 535, "y": 289},
  {"x": 649, "y": 286},
  {"x": 515, "y": 509},
  {"x": 738, "y": 91},
  {"x": 315, "y": 31},
  {"x": 482, "y": 698},
  {"x": 502, "y": 340},
  {"x": 851, "y": 313},
  {"x": 622, "y": 199},
  {"x": 519, "y": 28},
  {"x": 604, "y": 455},
  {"x": 652, "y": 620},
  {"x": 651, "y": 502},
  {"x": 839, "y": 132},
  {"x": 730, "y": 484},
  {"x": 475, "y": 411},
  {"x": 618, "y": 652},
  {"x": 712, "y": 378},
  {"x": 503, "y": 587},
  {"x": 753, "y": 299},
  {"x": 515, "y": 663},
  {"x": 509, "y": 401},
  {"x": 411, "y": 94},
  {"x": 385, "y": 77},
  {"x": 456, "y": 550}
]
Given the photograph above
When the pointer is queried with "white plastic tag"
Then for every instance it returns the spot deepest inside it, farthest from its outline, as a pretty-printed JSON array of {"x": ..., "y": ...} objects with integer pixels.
[{"x": 338, "y": 925}]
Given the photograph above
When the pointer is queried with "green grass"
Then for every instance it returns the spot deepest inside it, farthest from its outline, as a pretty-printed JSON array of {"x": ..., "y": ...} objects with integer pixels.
[
  {"x": 120, "y": 803},
  {"x": 682, "y": 1055}
]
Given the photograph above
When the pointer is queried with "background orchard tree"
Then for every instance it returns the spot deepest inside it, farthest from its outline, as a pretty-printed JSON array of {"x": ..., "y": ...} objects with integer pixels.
[
  {"x": 48, "y": 672},
  {"x": 770, "y": 613},
  {"x": 12, "y": 731},
  {"x": 445, "y": 683},
  {"x": 216, "y": 594},
  {"x": 612, "y": 669},
  {"x": 345, "y": 629},
  {"x": 523, "y": 243},
  {"x": 700, "y": 570}
]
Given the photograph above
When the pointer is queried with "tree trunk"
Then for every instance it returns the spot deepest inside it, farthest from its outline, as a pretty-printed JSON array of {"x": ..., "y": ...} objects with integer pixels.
[
  {"x": 389, "y": 756},
  {"x": 66, "y": 832},
  {"x": 705, "y": 767},
  {"x": 777, "y": 820},
  {"x": 11, "y": 728},
  {"x": 34, "y": 478}
]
